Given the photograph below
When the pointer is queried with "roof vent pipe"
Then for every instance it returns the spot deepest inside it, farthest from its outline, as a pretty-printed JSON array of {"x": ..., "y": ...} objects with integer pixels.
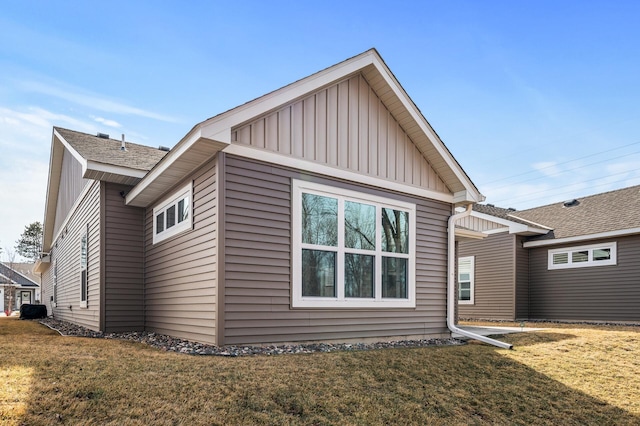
[{"x": 123, "y": 147}]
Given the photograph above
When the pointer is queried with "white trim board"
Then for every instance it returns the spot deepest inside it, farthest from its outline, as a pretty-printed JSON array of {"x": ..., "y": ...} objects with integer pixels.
[{"x": 609, "y": 234}]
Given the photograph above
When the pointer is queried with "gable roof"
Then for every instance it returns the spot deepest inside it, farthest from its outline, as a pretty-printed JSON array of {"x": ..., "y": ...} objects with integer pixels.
[
  {"x": 100, "y": 158},
  {"x": 498, "y": 219},
  {"x": 17, "y": 273},
  {"x": 94, "y": 151},
  {"x": 214, "y": 135},
  {"x": 600, "y": 215}
]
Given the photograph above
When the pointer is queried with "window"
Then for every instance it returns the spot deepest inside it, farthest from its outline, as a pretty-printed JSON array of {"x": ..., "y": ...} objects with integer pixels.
[
  {"x": 583, "y": 256},
  {"x": 84, "y": 261},
  {"x": 173, "y": 215},
  {"x": 351, "y": 249},
  {"x": 54, "y": 298},
  {"x": 466, "y": 278}
]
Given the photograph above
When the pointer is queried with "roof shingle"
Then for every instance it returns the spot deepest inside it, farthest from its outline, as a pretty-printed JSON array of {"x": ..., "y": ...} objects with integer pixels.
[{"x": 107, "y": 151}]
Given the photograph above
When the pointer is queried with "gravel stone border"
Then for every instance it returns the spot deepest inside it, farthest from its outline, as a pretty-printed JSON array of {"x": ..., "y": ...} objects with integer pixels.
[{"x": 168, "y": 343}]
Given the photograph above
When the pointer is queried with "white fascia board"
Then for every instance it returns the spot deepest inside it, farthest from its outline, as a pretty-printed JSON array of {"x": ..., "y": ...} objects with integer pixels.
[
  {"x": 194, "y": 136},
  {"x": 109, "y": 168},
  {"x": 537, "y": 225},
  {"x": 468, "y": 233},
  {"x": 72, "y": 151},
  {"x": 239, "y": 115},
  {"x": 322, "y": 169},
  {"x": 577, "y": 238},
  {"x": 431, "y": 134},
  {"x": 53, "y": 185},
  {"x": 514, "y": 227}
]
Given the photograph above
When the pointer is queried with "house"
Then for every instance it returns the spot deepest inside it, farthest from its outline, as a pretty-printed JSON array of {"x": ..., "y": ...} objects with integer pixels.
[
  {"x": 317, "y": 212},
  {"x": 18, "y": 285},
  {"x": 571, "y": 261}
]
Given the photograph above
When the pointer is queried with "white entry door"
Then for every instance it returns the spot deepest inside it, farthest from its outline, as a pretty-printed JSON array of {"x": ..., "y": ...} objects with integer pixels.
[
  {"x": 1, "y": 299},
  {"x": 25, "y": 297}
]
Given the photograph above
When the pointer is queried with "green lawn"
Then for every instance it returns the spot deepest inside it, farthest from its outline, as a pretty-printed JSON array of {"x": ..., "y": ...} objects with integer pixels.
[{"x": 564, "y": 375}]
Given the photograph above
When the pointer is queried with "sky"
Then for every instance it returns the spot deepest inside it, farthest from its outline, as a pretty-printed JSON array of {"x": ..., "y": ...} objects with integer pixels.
[{"x": 539, "y": 101}]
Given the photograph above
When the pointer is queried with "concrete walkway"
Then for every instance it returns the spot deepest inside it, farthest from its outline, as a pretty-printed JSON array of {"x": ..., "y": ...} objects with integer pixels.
[{"x": 493, "y": 331}]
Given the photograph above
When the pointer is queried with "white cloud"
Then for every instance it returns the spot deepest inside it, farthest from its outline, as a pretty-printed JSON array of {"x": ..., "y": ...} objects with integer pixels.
[
  {"x": 90, "y": 100},
  {"x": 106, "y": 122}
]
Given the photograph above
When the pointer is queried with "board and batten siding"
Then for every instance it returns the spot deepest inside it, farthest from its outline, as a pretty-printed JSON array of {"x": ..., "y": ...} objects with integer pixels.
[
  {"x": 258, "y": 266},
  {"x": 181, "y": 272},
  {"x": 123, "y": 262},
  {"x": 66, "y": 252},
  {"x": 600, "y": 293},
  {"x": 347, "y": 126},
  {"x": 494, "y": 285},
  {"x": 71, "y": 185}
]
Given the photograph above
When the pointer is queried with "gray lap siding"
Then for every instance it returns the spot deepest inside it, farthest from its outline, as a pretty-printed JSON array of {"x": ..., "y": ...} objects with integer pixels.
[
  {"x": 181, "y": 272},
  {"x": 258, "y": 266},
  {"x": 602, "y": 293},
  {"x": 495, "y": 271}
]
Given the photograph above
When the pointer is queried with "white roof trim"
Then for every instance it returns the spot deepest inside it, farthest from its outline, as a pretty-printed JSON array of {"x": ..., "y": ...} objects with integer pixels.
[
  {"x": 309, "y": 166},
  {"x": 217, "y": 130},
  {"x": 470, "y": 234},
  {"x": 109, "y": 168},
  {"x": 514, "y": 227},
  {"x": 537, "y": 225},
  {"x": 608, "y": 234}
]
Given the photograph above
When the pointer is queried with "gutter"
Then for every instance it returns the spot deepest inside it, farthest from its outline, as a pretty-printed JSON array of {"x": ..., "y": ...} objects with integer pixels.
[{"x": 451, "y": 285}]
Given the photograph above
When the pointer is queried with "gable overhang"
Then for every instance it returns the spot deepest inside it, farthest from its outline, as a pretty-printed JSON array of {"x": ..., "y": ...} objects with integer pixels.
[
  {"x": 581, "y": 238},
  {"x": 90, "y": 170},
  {"x": 213, "y": 135},
  {"x": 464, "y": 234},
  {"x": 510, "y": 226}
]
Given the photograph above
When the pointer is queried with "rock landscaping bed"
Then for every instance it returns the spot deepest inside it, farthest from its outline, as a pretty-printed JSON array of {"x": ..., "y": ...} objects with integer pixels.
[{"x": 168, "y": 343}]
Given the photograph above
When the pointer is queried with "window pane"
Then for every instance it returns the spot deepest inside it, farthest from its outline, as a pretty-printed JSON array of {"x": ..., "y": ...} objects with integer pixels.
[
  {"x": 394, "y": 278},
  {"x": 359, "y": 226},
  {"x": 318, "y": 273},
  {"x": 171, "y": 216},
  {"x": 183, "y": 210},
  {"x": 358, "y": 275},
  {"x": 560, "y": 258},
  {"x": 319, "y": 220},
  {"x": 602, "y": 254},
  {"x": 580, "y": 256},
  {"x": 83, "y": 252},
  {"x": 464, "y": 276},
  {"x": 160, "y": 223},
  {"x": 465, "y": 294},
  {"x": 395, "y": 231}
]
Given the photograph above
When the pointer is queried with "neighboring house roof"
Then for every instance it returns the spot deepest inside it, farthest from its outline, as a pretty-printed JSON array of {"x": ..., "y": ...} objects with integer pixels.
[
  {"x": 18, "y": 273},
  {"x": 215, "y": 134},
  {"x": 600, "y": 215}
]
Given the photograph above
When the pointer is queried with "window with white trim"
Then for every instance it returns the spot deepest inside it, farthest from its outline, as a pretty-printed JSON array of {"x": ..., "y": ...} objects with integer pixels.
[
  {"x": 351, "y": 249},
  {"x": 174, "y": 215},
  {"x": 84, "y": 262},
  {"x": 583, "y": 256},
  {"x": 466, "y": 280},
  {"x": 54, "y": 297}
]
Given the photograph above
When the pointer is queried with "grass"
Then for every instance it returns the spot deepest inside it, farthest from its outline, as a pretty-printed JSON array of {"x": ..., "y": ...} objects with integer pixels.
[{"x": 566, "y": 374}]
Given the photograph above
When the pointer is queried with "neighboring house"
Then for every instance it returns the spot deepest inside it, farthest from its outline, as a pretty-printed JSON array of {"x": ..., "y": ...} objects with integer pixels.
[
  {"x": 316, "y": 212},
  {"x": 577, "y": 260},
  {"x": 18, "y": 285}
]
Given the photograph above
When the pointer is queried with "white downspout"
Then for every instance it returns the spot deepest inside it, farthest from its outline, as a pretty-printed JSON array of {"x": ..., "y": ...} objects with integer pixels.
[{"x": 451, "y": 285}]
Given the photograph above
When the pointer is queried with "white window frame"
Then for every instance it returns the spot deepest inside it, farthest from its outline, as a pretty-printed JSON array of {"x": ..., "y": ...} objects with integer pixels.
[
  {"x": 84, "y": 268},
  {"x": 340, "y": 301},
  {"x": 612, "y": 246},
  {"x": 54, "y": 303},
  {"x": 472, "y": 279},
  {"x": 162, "y": 207}
]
